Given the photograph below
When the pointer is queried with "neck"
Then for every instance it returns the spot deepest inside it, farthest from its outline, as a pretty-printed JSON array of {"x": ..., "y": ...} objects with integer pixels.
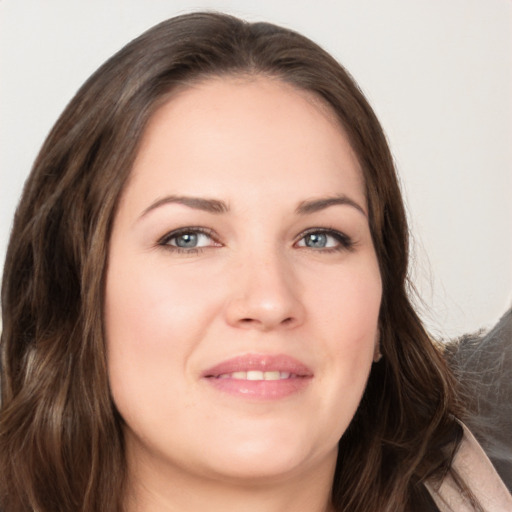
[{"x": 158, "y": 491}]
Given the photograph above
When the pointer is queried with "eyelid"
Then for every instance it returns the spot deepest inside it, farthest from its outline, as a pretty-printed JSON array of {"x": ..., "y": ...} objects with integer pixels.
[
  {"x": 164, "y": 240},
  {"x": 345, "y": 241}
]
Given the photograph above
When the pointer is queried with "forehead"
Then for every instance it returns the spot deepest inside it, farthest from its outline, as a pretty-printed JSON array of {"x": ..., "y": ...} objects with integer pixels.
[
  {"x": 246, "y": 130},
  {"x": 223, "y": 93}
]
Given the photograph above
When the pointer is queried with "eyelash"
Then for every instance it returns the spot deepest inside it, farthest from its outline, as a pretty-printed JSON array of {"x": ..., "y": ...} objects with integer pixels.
[
  {"x": 165, "y": 240},
  {"x": 345, "y": 243}
]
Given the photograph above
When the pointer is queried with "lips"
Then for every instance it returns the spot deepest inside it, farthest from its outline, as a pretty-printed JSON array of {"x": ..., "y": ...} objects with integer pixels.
[
  {"x": 260, "y": 363},
  {"x": 259, "y": 376}
]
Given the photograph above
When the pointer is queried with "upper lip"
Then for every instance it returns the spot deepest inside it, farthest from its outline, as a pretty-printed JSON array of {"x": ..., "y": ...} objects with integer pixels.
[{"x": 259, "y": 362}]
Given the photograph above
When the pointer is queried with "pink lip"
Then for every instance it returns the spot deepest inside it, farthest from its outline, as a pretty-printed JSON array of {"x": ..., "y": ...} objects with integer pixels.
[{"x": 300, "y": 376}]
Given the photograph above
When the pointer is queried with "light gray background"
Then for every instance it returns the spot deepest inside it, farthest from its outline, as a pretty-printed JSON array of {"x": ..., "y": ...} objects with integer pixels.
[{"x": 438, "y": 73}]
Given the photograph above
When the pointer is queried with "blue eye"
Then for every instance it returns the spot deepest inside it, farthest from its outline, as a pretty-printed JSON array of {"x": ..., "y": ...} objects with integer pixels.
[
  {"x": 325, "y": 239},
  {"x": 189, "y": 239},
  {"x": 316, "y": 240}
]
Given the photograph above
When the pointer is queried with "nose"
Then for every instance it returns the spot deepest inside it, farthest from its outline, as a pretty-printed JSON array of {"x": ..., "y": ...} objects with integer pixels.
[{"x": 265, "y": 296}]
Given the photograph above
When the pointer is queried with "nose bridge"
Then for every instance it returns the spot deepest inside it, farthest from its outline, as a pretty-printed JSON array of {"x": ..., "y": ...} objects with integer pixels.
[{"x": 265, "y": 290}]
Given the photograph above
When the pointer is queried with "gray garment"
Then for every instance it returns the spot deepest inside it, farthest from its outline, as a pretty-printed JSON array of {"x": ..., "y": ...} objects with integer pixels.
[{"x": 483, "y": 365}]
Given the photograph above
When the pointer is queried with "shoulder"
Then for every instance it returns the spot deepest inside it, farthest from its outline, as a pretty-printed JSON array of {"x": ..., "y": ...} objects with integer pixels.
[
  {"x": 482, "y": 363},
  {"x": 471, "y": 466}
]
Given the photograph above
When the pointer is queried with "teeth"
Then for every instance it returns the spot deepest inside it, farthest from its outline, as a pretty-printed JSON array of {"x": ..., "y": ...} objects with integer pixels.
[
  {"x": 272, "y": 375},
  {"x": 256, "y": 375}
]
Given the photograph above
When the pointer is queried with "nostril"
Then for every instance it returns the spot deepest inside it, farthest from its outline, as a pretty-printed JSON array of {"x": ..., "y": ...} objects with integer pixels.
[{"x": 247, "y": 321}]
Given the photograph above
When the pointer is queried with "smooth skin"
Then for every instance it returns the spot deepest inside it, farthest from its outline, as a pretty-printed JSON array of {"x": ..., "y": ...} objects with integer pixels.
[{"x": 243, "y": 230}]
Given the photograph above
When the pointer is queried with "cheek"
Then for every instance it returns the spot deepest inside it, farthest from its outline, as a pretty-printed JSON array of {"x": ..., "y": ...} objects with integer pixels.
[
  {"x": 152, "y": 327},
  {"x": 350, "y": 305},
  {"x": 348, "y": 311},
  {"x": 154, "y": 304}
]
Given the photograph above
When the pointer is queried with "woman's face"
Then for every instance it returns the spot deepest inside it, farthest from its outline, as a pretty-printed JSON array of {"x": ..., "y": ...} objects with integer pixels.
[{"x": 243, "y": 288}]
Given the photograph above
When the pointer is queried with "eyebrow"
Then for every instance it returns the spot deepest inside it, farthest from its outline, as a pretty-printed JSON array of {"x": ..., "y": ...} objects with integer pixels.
[
  {"x": 197, "y": 203},
  {"x": 316, "y": 205},
  {"x": 216, "y": 206}
]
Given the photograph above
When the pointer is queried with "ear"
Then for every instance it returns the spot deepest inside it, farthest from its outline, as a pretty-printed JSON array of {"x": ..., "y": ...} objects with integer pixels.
[{"x": 377, "y": 354}]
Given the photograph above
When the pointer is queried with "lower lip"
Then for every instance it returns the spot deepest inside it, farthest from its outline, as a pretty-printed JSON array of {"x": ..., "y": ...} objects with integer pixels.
[{"x": 260, "y": 389}]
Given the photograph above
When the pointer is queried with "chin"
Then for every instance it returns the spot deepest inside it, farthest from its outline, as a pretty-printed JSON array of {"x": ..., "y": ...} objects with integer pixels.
[
  {"x": 261, "y": 469},
  {"x": 262, "y": 456}
]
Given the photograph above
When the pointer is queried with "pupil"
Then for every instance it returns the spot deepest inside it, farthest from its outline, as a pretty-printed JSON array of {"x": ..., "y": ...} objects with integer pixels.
[
  {"x": 316, "y": 240},
  {"x": 187, "y": 240}
]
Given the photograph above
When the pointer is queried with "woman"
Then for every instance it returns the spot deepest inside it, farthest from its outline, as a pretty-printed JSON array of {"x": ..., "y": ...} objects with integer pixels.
[{"x": 205, "y": 296}]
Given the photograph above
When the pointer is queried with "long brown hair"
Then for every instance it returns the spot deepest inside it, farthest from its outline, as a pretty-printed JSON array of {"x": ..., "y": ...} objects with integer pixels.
[{"x": 61, "y": 443}]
